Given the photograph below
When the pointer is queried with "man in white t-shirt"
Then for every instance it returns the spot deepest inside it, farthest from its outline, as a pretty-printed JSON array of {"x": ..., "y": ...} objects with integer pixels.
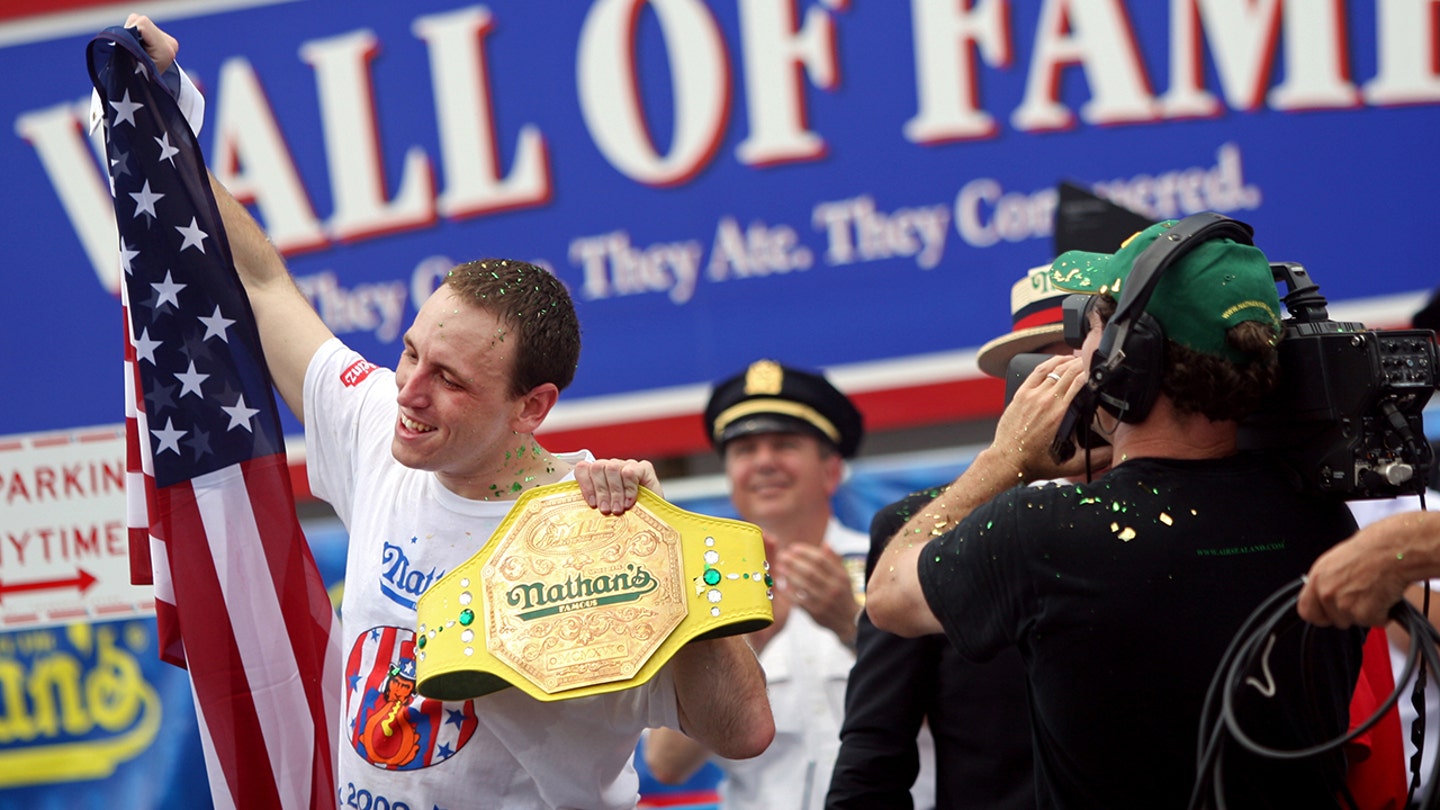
[{"x": 421, "y": 464}]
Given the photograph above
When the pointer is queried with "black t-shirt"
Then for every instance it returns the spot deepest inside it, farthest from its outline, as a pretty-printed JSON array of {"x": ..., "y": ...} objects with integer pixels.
[{"x": 1122, "y": 596}]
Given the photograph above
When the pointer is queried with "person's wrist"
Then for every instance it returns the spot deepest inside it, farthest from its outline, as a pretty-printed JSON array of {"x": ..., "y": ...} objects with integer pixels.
[{"x": 1004, "y": 466}]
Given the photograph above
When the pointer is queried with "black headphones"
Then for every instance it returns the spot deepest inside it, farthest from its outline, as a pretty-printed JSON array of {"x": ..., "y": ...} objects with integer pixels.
[{"x": 1126, "y": 370}]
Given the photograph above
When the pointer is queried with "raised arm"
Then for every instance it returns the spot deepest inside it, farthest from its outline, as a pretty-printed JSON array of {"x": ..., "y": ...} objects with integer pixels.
[
  {"x": 893, "y": 598},
  {"x": 1018, "y": 455},
  {"x": 290, "y": 329}
]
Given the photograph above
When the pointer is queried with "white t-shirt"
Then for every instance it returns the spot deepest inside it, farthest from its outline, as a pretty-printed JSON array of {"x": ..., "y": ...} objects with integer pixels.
[{"x": 399, "y": 751}]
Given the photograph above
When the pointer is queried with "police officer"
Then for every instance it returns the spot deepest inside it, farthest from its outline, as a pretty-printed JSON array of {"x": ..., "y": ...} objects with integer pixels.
[{"x": 784, "y": 435}]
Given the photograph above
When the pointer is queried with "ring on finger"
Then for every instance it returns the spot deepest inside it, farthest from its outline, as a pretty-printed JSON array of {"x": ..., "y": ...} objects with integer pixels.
[{"x": 1053, "y": 376}]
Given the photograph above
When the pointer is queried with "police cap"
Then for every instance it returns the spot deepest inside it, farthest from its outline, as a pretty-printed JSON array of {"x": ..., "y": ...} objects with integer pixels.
[{"x": 771, "y": 398}]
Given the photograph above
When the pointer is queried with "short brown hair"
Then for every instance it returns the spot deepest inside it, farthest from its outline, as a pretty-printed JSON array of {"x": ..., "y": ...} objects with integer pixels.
[
  {"x": 536, "y": 305},
  {"x": 1217, "y": 388},
  {"x": 1212, "y": 386}
]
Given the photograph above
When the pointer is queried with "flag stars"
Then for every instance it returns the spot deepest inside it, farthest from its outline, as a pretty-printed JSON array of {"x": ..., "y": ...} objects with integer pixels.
[
  {"x": 145, "y": 200},
  {"x": 167, "y": 152},
  {"x": 126, "y": 254},
  {"x": 120, "y": 164},
  {"x": 240, "y": 414},
  {"x": 215, "y": 325},
  {"x": 125, "y": 109},
  {"x": 168, "y": 437},
  {"x": 193, "y": 235},
  {"x": 194, "y": 347},
  {"x": 190, "y": 381},
  {"x": 158, "y": 399},
  {"x": 167, "y": 292},
  {"x": 199, "y": 444},
  {"x": 145, "y": 347}
]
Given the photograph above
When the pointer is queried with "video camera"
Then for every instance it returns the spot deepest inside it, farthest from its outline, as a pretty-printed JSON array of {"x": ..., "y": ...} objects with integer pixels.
[{"x": 1347, "y": 413}]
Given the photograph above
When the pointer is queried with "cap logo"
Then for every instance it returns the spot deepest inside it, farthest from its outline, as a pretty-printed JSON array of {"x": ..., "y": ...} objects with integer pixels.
[
  {"x": 1230, "y": 312},
  {"x": 764, "y": 377},
  {"x": 1060, "y": 277}
]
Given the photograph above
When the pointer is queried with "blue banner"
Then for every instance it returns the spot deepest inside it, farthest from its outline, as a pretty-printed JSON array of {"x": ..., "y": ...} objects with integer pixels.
[{"x": 846, "y": 185}]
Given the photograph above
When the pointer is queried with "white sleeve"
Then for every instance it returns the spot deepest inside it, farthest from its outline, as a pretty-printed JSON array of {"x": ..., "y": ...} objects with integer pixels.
[
  {"x": 349, "y": 418},
  {"x": 187, "y": 97},
  {"x": 191, "y": 102}
]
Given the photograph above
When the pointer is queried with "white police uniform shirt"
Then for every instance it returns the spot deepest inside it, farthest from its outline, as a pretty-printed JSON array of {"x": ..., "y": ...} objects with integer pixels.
[
  {"x": 806, "y": 667},
  {"x": 407, "y": 530}
]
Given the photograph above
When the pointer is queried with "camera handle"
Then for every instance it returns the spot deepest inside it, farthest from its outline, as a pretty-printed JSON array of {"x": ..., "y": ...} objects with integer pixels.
[{"x": 1302, "y": 295}]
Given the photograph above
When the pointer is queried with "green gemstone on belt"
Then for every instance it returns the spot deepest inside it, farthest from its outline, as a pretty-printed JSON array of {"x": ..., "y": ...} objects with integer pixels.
[
  {"x": 467, "y": 616},
  {"x": 420, "y": 642},
  {"x": 712, "y": 577}
]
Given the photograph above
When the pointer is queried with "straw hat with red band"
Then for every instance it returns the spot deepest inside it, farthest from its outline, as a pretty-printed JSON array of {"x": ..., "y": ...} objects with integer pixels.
[{"x": 1036, "y": 319}]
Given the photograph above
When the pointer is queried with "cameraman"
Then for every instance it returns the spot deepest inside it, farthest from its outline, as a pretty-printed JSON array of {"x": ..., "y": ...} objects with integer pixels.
[{"x": 1123, "y": 594}]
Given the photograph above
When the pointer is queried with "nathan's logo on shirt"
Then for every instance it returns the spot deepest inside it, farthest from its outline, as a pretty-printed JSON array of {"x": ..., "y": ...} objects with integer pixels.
[
  {"x": 537, "y": 599},
  {"x": 386, "y": 723},
  {"x": 401, "y": 582},
  {"x": 357, "y": 372}
]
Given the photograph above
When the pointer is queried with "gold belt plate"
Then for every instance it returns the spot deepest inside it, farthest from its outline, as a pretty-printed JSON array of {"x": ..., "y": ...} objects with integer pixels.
[{"x": 575, "y": 598}]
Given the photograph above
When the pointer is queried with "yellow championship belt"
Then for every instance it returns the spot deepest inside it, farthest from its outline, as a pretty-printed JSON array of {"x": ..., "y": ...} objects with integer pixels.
[{"x": 565, "y": 602}]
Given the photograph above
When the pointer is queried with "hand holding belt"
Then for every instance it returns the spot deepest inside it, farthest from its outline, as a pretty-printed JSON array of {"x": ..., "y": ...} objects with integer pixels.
[{"x": 565, "y": 602}]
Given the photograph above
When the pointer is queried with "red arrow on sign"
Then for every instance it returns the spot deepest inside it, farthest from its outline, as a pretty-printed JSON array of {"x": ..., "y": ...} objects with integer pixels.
[{"x": 81, "y": 582}]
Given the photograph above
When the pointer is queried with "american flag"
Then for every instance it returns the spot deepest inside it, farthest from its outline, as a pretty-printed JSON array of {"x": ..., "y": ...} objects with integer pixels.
[{"x": 240, "y": 603}]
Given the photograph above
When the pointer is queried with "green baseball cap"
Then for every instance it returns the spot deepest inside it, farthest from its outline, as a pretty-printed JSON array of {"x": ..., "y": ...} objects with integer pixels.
[{"x": 1218, "y": 284}]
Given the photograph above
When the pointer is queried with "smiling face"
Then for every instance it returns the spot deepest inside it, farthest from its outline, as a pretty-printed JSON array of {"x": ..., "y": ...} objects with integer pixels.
[
  {"x": 457, "y": 415},
  {"x": 778, "y": 477}
]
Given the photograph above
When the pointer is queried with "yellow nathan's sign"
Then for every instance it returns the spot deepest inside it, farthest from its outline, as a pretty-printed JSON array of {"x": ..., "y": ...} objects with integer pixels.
[
  {"x": 564, "y": 601},
  {"x": 74, "y": 702}
]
